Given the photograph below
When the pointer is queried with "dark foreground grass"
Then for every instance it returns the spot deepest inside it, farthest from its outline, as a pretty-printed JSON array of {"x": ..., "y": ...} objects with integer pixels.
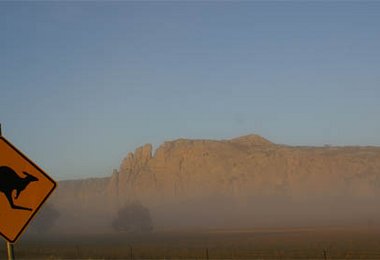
[{"x": 254, "y": 244}]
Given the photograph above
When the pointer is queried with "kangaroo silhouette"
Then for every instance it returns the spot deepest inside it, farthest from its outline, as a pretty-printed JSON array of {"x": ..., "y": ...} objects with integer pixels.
[{"x": 9, "y": 181}]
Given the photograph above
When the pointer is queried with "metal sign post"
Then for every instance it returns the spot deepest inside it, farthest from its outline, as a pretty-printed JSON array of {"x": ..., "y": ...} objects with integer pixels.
[{"x": 11, "y": 253}]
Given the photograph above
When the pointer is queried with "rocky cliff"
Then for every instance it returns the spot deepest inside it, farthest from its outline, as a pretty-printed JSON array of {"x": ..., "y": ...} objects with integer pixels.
[{"x": 242, "y": 181}]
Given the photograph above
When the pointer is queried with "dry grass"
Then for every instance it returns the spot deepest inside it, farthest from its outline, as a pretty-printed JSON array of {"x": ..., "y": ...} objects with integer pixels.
[{"x": 253, "y": 244}]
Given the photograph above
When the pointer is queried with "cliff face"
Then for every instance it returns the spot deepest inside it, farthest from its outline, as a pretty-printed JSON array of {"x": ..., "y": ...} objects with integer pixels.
[
  {"x": 248, "y": 166},
  {"x": 237, "y": 179}
]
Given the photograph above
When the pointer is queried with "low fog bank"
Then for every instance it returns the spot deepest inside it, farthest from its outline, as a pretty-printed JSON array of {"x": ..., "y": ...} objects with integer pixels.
[
  {"x": 242, "y": 183},
  {"x": 221, "y": 213},
  {"x": 218, "y": 213}
]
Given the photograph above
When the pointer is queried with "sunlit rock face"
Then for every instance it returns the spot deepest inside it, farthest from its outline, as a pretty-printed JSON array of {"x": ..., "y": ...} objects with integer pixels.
[
  {"x": 246, "y": 166},
  {"x": 242, "y": 181}
]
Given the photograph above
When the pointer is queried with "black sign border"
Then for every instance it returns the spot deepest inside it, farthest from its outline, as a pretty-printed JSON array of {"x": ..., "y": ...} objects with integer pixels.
[{"x": 46, "y": 197}]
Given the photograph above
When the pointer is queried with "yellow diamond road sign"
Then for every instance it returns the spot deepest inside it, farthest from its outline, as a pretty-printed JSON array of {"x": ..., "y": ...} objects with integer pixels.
[{"x": 24, "y": 187}]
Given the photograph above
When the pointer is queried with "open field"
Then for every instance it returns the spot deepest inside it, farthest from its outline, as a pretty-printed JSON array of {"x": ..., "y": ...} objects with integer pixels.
[{"x": 328, "y": 243}]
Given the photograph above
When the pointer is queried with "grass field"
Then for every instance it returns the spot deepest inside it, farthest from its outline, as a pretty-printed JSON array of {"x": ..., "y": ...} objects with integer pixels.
[{"x": 327, "y": 243}]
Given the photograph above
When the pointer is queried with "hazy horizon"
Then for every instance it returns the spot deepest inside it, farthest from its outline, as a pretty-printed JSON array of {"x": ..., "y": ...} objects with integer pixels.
[{"x": 84, "y": 83}]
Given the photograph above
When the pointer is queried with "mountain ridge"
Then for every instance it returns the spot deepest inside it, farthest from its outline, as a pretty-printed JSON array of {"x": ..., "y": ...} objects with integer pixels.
[{"x": 247, "y": 175}]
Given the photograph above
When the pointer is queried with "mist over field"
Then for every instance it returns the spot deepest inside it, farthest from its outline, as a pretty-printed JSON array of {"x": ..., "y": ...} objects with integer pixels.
[
  {"x": 241, "y": 183},
  {"x": 242, "y": 198}
]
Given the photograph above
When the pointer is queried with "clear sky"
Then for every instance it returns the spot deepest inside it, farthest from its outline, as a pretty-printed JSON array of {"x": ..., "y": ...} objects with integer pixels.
[{"x": 84, "y": 83}]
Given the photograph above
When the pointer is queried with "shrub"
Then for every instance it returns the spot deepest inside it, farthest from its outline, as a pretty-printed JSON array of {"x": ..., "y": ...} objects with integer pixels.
[{"x": 133, "y": 218}]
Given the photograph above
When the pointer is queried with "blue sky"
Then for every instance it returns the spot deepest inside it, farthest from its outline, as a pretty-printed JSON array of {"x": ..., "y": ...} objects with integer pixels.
[{"x": 84, "y": 83}]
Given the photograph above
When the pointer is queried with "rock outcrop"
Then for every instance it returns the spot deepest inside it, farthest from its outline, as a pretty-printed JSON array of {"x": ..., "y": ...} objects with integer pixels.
[
  {"x": 249, "y": 165},
  {"x": 243, "y": 181}
]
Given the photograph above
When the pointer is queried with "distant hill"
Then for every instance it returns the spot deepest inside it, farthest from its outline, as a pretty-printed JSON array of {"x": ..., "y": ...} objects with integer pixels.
[{"x": 243, "y": 182}]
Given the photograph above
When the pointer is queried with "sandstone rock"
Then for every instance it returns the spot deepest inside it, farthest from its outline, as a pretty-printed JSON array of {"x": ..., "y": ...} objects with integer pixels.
[
  {"x": 240, "y": 179},
  {"x": 251, "y": 140},
  {"x": 138, "y": 159}
]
